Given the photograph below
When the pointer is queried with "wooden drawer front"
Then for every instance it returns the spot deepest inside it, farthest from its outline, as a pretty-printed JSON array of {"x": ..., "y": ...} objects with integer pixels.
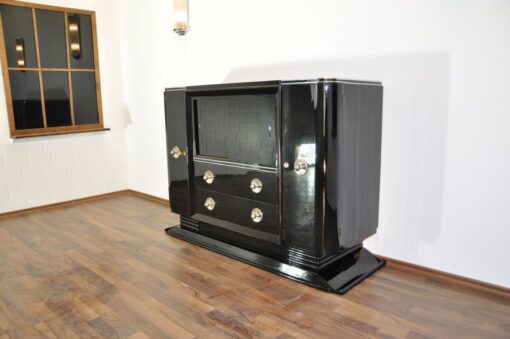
[
  {"x": 237, "y": 211},
  {"x": 237, "y": 181}
]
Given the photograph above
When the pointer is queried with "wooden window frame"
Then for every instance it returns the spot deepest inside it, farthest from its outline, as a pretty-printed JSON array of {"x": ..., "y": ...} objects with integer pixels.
[{"x": 33, "y": 132}]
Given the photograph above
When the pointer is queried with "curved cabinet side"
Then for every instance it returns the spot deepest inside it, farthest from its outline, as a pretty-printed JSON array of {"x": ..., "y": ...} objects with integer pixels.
[{"x": 178, "y": 167}]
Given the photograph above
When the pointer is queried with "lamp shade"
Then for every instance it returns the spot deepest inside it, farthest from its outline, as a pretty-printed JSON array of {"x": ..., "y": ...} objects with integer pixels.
[{"x": 181, "y": 25}]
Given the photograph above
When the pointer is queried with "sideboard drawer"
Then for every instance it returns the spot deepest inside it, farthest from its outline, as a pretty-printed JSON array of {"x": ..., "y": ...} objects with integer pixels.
[
  {"x": 243, "y": 182},
  {"x": 251, "y": 215}
]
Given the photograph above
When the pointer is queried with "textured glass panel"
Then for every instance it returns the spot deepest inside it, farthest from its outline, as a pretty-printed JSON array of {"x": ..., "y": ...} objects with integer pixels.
[
  {"x": 84, "y": 98},
  {"x": 239, "y": 128},
  {"x": 26, "y": 99},
  {"x": 56, "y": 99},
  {"x": 52, "y": 39},
  {"x": 84, "y": 41},
  {"x": 18, "y": 24}
]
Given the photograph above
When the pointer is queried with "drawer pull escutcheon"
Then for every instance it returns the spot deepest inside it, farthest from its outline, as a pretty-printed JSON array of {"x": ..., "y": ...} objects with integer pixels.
[
  {"x": 256, "y": 215},
  {"x": 209, "y": 177},
  {"x": 256, "y": 185},
  {"x": 209, "y": 204}
]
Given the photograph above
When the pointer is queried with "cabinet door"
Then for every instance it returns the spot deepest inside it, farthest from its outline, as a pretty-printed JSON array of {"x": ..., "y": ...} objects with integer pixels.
[
  {"x": 302, "y": 112},
  {"x": 178, "y": 159}
]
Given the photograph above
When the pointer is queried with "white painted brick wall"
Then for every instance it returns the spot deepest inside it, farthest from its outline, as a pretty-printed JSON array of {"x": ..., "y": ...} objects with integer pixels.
[{"x": 45, "y": 170}]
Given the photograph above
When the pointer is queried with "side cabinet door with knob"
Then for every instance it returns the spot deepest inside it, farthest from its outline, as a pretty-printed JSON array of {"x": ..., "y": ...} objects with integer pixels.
[
  {"x": 177, "y": 151},
  {"x": 302, "y": 107}
]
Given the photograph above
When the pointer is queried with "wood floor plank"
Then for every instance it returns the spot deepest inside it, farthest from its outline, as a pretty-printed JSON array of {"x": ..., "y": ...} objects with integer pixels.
[{"x": 106, "y": 269}]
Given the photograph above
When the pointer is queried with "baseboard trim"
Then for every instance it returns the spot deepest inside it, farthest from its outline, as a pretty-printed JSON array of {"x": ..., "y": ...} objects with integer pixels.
[
  {"x": 146, "y": 196},
  {"x": 85, "y": 200},
  {"x": 63, "y": 204},
  {"x": 445, "y": 276}
]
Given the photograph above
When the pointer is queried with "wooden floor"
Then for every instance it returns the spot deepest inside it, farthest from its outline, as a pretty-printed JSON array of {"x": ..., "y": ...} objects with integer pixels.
[{"x": 107, "y": 269}]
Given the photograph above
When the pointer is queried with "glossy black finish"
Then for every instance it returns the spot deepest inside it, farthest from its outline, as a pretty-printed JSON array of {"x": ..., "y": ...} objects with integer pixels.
[
  {"x": 18, "y": 24},
  {"x": 56, "y": 99},
  {"x": 317, "y": 219},
  {"x": 237, "y": 128},
  {"x": 354, "y": 155},
  {"x": 176, "y": 118},
  {"x": 236, "y": 180},
  {"x": 84, "y": 98},
  {"x": 302, "y": 109},
  {"x": 26, "y": 99},
  {"x": 339, "y": 278},
  {"x": 52, "y": 38},
  {"x": 234, "y": 213}
]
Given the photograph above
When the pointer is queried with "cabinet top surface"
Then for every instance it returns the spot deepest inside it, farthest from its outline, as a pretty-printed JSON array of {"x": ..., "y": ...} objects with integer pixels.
[{"x": 271, "y": 83}]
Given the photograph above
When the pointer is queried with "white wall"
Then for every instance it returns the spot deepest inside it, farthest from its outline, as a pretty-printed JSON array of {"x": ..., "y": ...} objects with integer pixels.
[
  {"x": 45, "y": 170},
  {"x": 445, "y": 67}
]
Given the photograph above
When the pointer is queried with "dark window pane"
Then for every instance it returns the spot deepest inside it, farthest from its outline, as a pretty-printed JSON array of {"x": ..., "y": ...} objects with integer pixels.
[
  {"x": 84, "y": 98},
  {"x": 52, "y": 39},
  {"x": 18, "y": 24},
  {"x": 26, "y": 99},
  {"x": 82, "y": 40},
  {"x": 56, "y": 99}
]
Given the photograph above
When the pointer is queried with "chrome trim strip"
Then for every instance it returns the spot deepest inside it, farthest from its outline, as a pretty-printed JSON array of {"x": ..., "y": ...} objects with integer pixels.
[
  {"x": 370, "y": 83},
  {"x": 173, "y": 89},
  {"x": 235, "y": 164},
  {"x": 336, "y": 81},
  {"x": 295, "y": 82}
]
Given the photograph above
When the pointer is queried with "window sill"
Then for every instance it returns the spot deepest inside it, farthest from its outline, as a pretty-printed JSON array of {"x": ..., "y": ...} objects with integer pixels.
[{"x": 44, "y": 134}]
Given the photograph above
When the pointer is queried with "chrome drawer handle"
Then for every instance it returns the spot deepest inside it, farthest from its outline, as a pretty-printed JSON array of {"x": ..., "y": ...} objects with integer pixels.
[
  {"x": 256, "y": 185},
  {"x": 209, "y": 204},
  {"x": 176, "y": 152},
  {"x": 256, "y": 215},
  {"x": 209, "y": 177}
]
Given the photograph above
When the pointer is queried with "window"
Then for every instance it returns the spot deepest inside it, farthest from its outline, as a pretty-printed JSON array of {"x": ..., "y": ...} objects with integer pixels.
[{"x": 50, "y": 69}]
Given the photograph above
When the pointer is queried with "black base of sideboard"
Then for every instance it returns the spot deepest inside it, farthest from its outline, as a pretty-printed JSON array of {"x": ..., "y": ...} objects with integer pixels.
[{"x": 339, "y": 277}]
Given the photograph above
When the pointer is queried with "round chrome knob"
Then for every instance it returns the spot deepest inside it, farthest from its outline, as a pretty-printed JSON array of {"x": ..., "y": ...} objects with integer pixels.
[
  {"x": 300, "y": 166},
  {"x": 286, "y": 164},
  {"x": 176, "y": 152},
  {"x": 209, "y": 204},
  {"x": 256, "y": 215},
  {"x": 209, "y": 177},
  {"x": 256, "y": 185}
]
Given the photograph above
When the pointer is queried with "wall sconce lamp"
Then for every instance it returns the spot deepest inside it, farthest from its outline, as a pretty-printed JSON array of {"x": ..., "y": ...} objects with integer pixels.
[
  {"x": 74, "y": 36},
  {"x": 181, "y": 26},
  {"x": 20, "y": 53}
]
